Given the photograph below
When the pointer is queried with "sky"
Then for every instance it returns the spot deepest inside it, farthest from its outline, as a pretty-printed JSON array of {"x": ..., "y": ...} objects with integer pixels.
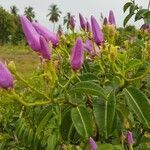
[{"x": 85, "y": 7}]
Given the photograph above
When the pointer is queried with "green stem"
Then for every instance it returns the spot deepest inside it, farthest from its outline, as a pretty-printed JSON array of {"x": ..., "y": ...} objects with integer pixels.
[
  {"x": 114, "y": 68},
  {"x": 100, "y": 65},
  {"x": 138, "y": 78},
  {"x": 70, "y": 79},
  {"x": 130, "y": 147},
  {"x": 16, "y": 97},
  {"x": 31, "y": 87}
]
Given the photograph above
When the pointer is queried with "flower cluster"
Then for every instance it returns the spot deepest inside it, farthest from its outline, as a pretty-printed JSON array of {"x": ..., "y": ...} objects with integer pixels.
[{"x": 38, "y": 37}]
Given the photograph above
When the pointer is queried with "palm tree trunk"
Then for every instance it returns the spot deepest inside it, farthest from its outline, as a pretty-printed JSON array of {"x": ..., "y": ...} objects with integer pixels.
[
  {"x": 149, "y": 5},
  {"x": 53, "y": 26}
]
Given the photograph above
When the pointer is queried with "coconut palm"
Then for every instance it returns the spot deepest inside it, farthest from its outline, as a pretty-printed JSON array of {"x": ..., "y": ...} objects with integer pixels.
[
  {"x": 14, "y": 10},
  {"x": 59, "y": 30},
  {"x": 29, "y": 13},
  {"x": 54, "y": 14},
  {"x": 67, "y": 20}
]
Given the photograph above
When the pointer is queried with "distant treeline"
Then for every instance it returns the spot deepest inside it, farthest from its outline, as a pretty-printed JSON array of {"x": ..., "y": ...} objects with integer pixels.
[{"x": 10, "y": 28}]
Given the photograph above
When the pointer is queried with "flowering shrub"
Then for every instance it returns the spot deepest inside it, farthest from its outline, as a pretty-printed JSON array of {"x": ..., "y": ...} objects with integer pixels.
[{"x": 89, "y": 92}]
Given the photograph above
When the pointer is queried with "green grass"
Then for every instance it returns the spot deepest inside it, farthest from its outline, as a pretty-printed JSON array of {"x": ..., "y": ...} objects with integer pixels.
[{"x": 25, "y": 59}]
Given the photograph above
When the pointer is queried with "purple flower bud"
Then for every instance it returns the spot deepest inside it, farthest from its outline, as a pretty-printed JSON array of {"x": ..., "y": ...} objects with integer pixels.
[
  {"x": 31, "y": 34},
  {"x": 6, "y": 79},
  {"x": 48, "y": 35},
  {"x": 112, "y": 18},
  {"x": 76, "y": 59},
  {"x": 88, "y": 26},
  {"x": 88, "y": 46},
  {"x": 145, "y": 27},
  {"x": 82, "y": 22},
  {"x": 96, "y": 31},
  {"x": 72, "y": 22},
  {"x": 129, "y": 138},
  {"x": 45, "y": 50},
  {"x": 105, "y": 21},
  {"x": 93, "y": 145}
]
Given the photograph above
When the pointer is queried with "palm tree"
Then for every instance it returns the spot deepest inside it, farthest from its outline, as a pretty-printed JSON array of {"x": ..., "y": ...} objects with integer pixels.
[
  {"x": 54, "y": 14},
  {"x": 14, "y": 10},
  {"x": 59, "y": 30},
  {"x": 29, "y": 13},
  {"x": 67, "y": 20}
]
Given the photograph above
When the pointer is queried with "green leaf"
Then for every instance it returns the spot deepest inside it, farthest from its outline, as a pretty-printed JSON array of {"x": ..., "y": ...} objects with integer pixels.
[
  {"x": 139, "y": 104},
  {"x": 109, "y": 147},
  {"x": 127, "y": 18},
  {"x": 126, "y": 6},
  {"x": 88, "y": 76},
  {"x": 51, "y": 142},
  {"x": 90, "y": 88},
  {"x": 104, "y": 112},
  {"x": 30, "y": 136},
  {"x": 82, "y": 121},
  {"x": 147, "y": 17},
  {"x": 43, "y": 122},
  {"x": 111, "y": 111},
  {"x": 67, "y": 128},
  {"x": 133, "y": 63},
  {"x": 133, "y": 8},
  {"x": 140, "y": 14},
  {"x": 46, "y": 115},
  {"x": 86, "y": 66}
]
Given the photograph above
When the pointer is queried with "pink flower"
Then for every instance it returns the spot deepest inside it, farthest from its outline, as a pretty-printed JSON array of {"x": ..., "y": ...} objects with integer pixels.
[
  {"x": 88, "y": 26},
  {"x": 45, "y": 50},
  {"x": 129, "y": 138},
  {"x": 112, "y": 18},
  {"x": 96, "y": 31},
  {"x": 145, "y": 27},
  {"x": 76, "y": 59},
  {"x": 105, "y": 21},
  {"x": 31, "y": 34},
  {"x": 48, "y": 35},
  {"x": 6, "y": 79},
  {"x": 93, "y": 145},
  {"x": 82, "y": 22},
  {"x": 72, "y": 22},
  {"x": 88, "y": 46}
]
